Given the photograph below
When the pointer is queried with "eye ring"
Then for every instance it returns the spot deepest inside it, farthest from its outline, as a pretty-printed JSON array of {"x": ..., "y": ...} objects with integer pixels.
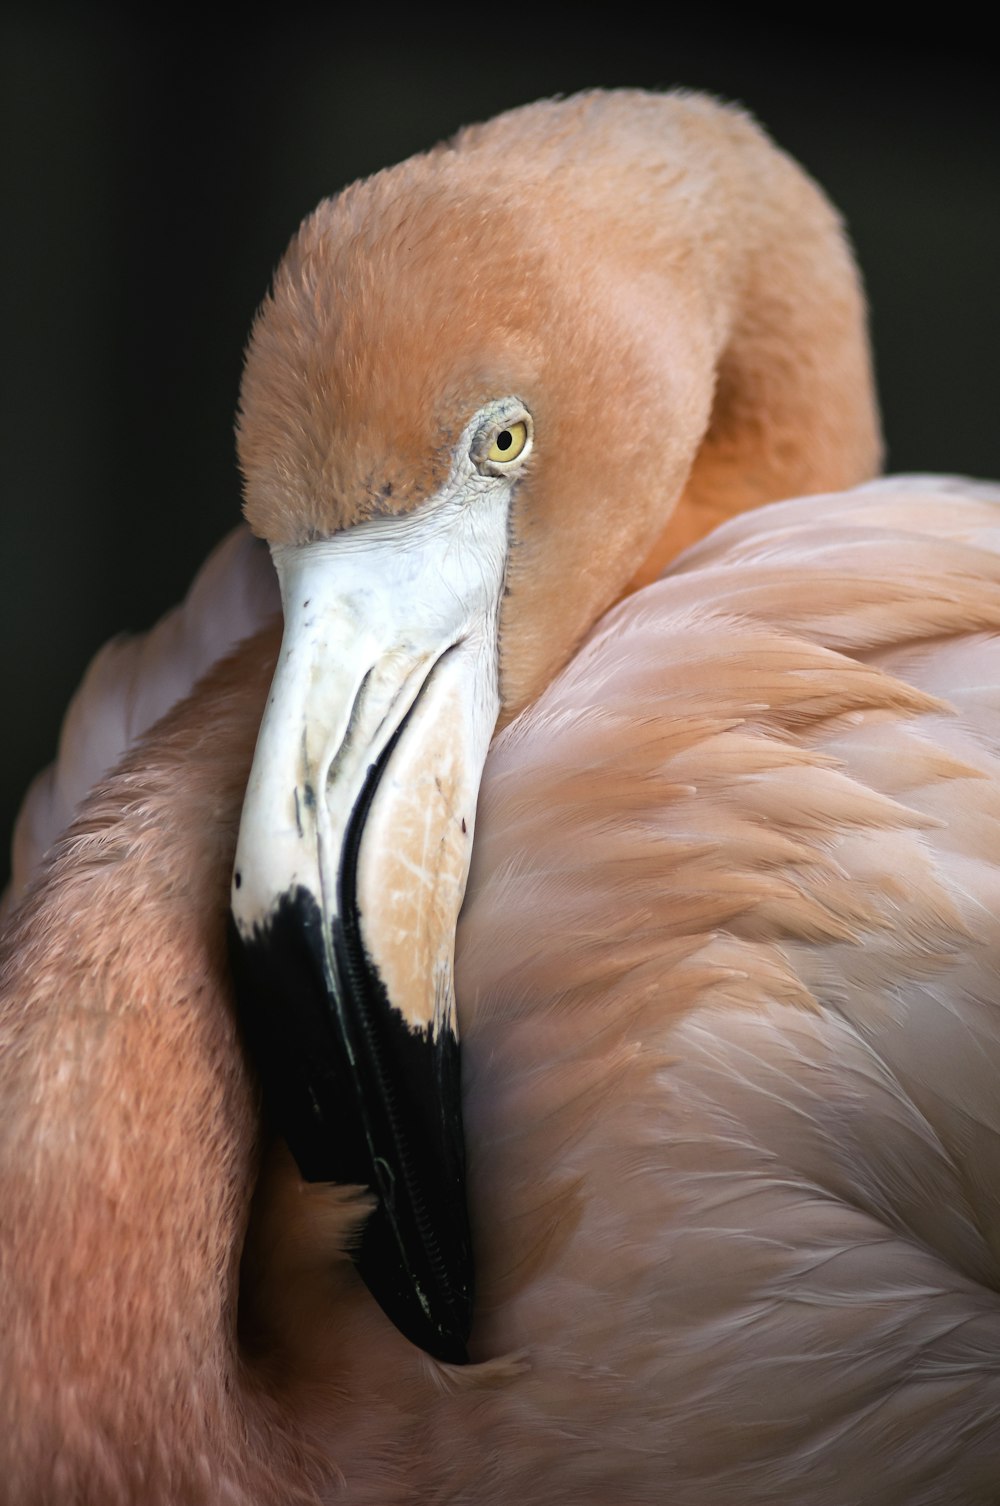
[{"x": 505, "y": 440}]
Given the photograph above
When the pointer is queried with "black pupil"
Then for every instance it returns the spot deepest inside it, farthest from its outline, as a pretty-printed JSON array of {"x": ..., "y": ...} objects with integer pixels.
[{"x": 504, "y": 439}]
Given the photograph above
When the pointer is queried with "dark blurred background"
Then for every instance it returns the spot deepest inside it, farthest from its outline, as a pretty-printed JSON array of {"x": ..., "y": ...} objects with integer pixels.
[{"x": 153, "y": 170}]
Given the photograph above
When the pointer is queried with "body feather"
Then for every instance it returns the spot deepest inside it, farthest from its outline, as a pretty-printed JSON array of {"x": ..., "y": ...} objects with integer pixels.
[{"x": 727, "y": 982}]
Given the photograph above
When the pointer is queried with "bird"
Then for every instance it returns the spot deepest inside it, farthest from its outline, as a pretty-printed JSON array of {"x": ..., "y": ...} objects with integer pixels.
[{"x": 622, "y": 724}]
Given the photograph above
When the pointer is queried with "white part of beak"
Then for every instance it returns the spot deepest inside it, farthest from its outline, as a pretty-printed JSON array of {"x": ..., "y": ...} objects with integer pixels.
[{"x": 392, "y": 623}]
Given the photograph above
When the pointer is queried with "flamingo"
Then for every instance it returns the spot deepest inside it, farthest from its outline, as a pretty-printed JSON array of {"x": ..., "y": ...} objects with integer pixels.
[{"x": 723, "y": 839}]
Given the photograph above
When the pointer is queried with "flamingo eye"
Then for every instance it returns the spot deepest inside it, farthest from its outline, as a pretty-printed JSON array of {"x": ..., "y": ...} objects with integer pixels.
[{"x": 508, "y": 443}]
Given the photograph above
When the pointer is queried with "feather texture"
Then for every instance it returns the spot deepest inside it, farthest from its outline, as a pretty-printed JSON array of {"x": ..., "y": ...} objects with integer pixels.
[{"x": 727, "y": 981}]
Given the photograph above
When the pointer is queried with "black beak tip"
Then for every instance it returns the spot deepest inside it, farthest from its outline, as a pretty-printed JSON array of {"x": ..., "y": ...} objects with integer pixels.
[
  {"x": 430, "y": 1307},
  {"x": 328, "y": 1055}
]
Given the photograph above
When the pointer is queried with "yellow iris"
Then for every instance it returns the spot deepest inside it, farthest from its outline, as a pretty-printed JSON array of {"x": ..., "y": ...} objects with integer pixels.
[{"x": 509, "y": 443}]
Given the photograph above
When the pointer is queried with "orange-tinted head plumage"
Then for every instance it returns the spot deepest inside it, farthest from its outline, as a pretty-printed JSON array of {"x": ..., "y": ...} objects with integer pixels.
[{"x": 647, "y": 273}]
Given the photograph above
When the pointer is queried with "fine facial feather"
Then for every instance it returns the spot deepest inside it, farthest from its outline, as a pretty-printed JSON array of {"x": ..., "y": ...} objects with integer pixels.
[
  {"x": 735, "y": 1240},
  {"x": 671, "y": 297}
]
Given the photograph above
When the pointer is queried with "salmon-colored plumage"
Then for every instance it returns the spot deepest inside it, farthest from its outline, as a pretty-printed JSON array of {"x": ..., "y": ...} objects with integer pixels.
[{"x": 726, "y": 972}]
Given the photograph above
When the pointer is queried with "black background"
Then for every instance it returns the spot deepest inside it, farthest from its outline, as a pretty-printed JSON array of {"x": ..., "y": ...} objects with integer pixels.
[{"x": 153, "y": 171}]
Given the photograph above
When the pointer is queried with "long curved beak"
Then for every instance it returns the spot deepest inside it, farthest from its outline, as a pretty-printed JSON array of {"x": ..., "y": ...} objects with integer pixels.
[{"x": 350, "y": 871}]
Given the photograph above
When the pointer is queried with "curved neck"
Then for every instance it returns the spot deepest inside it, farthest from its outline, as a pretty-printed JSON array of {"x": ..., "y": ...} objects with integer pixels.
[
  {"x": 794, "y": 408},
  {"x": 128, "y": 1145}
]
